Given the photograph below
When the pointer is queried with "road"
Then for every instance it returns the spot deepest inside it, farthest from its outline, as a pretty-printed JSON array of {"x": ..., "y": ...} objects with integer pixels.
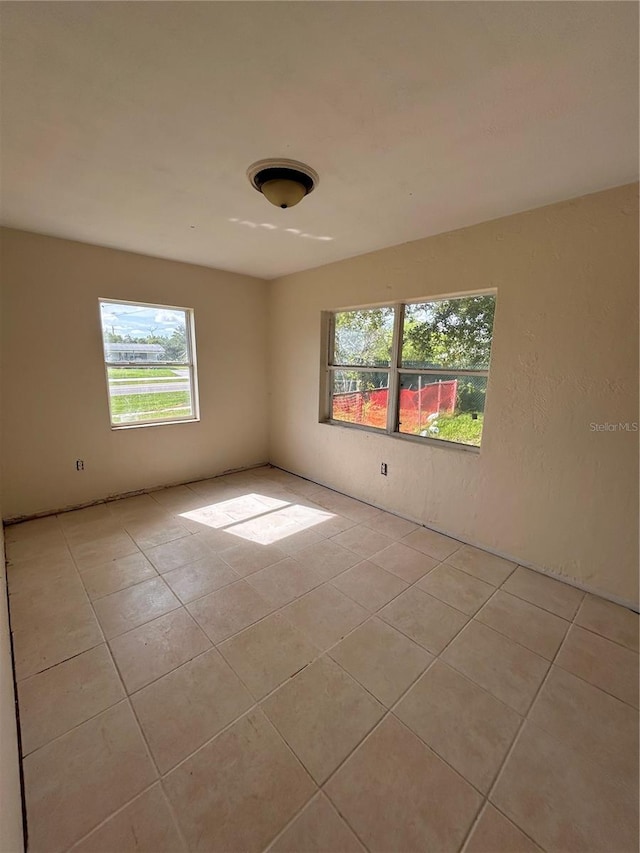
[{"x": 118, "y": 389}]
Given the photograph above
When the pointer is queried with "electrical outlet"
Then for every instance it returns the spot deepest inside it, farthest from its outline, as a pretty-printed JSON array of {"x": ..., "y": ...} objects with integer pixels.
[
  {"x": 383, "y": 469},
  {"x": 79, "y": 464}
]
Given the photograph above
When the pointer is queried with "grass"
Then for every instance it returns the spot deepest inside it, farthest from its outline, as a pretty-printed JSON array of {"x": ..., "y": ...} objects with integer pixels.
[
  {"x": 461, "y": 428},
  {"x": 165, "y": 405},
  {"x": 145, "y": 381},
  {"x": 133, "y": 373}
]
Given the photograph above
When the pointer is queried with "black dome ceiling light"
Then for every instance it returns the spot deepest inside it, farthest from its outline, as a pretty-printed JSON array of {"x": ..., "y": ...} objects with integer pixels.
[{"x": 282, "y": 182}]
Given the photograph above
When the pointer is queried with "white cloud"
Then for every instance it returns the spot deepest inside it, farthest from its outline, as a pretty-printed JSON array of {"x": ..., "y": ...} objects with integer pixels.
[{"x": 168, "y": 317}]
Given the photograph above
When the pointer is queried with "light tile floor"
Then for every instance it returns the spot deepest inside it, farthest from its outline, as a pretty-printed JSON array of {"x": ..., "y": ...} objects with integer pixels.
[{"x": 255, "y": 662}]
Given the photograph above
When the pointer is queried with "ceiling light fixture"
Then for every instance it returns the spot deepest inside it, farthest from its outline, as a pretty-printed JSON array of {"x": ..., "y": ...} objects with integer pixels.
[{"x": 282, "y": 182}]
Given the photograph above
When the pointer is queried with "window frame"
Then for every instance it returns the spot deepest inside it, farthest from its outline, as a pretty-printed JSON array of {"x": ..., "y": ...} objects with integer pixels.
[
  {"x": 191, "y": 364},
  {"x": 394, "y": 370}
]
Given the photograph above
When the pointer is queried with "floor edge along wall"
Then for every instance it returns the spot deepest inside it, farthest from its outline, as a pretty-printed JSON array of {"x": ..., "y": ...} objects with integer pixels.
[{"x": 630, "y": 605}]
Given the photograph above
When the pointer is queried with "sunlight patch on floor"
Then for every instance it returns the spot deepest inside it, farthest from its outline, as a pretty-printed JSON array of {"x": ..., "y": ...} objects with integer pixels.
[{"x": 258, "y": 518}]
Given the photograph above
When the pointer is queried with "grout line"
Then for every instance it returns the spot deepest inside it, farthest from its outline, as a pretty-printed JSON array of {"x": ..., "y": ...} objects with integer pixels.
[
  {"x": 572, "y": 582},
  {"x": 113, "y": 814},
  {"x": 319, "y": 795},
  {"x": 16, "y": 706},
  {"x": 510, "y": 751},
  {"x": 257, "y": 705}
]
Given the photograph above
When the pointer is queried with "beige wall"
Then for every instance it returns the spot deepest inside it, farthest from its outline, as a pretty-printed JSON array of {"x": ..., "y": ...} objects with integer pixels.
[
  {"x": 11, "y": 840},
  {"x": 10, "y": 803},
  {"x": 545, "y": 489},
  {"x": 55, "y": 401}
]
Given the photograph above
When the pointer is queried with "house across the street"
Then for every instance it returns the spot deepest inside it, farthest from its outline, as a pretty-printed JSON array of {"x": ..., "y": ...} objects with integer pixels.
[{"x": 133, "y": 352}]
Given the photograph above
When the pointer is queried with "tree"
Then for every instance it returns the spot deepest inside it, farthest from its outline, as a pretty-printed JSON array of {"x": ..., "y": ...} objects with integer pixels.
[
  {"x": 452, "y": 333},
  {"x": 364, "y": 337},
  {"x": 175, "y": 347}
]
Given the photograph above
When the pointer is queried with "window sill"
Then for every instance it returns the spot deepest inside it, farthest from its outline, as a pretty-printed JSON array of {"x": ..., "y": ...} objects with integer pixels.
[
  {"x": 414, "y": 439},
  {"x": 118, "y": 427}
]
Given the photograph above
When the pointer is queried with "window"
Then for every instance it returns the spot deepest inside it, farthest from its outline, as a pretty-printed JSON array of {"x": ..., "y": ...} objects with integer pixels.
[
  {"x": 149, "y": 356},
  {"x": 418, "y": 369}
]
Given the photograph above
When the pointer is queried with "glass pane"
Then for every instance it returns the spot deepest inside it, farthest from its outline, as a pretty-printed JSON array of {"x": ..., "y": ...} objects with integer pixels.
[
  {"x": 364, "y": 338},
  {"x": 149, "y": 394},
  {"x": 360, "y": 397},
  {"x": 144, "y": 334},
  {"x": 454, "y": 333},
  {"x": 450, "y": 407}
]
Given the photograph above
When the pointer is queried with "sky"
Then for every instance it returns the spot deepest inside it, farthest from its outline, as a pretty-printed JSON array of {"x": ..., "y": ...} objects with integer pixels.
[{"x": 139, "y": 320}]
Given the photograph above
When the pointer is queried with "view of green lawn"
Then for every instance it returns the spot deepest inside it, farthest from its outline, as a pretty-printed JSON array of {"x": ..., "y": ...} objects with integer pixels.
[
  {"x": 164, "y": 405},
  {"x": 462, "y": 428},
  {"x": 133, "y": 373}
]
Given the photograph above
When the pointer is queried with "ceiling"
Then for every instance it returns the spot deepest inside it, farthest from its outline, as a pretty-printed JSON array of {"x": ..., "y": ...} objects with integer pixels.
[{"x": 132, "y": 124}]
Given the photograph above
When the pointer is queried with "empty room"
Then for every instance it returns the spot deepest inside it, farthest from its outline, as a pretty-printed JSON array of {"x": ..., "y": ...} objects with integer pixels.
[{"x": 319, "y": 427}]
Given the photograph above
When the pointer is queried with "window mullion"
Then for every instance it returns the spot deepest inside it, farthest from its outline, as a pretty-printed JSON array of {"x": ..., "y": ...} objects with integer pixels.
[{"x": 394, "y": 378}]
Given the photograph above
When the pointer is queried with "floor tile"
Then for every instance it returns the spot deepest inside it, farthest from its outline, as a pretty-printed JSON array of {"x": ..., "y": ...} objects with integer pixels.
[
  {"x": 323, "y": 714},
  {"x": 224, "y": 795},
  {"x": 317, "y": 829},
  {"x": 392, "y": 525},
  {"x": 246, "y": 557},
  {"x": 369, "y": 585},
  {"x": 589, "y": 720},
  {"x": 609, "y": 620},
  {"x": 276, "y": 527},
  {"x": 31, "y": 529},
  {"x": 608, "y": 665},
  {"x": 346, "y": 506},
  {"x": 282, "y": 582},
  {"x": 295, "y": 542},
  {"x": 563, "y": 800},
  {"x": 333, "y": 525},
  {"x": 60, "y": 698},
  {"x": 80, "y": 779},
  {"x": 397, "y": 794},
  {"x": 405, "y": 562},
  {"x": 187, "y": 707},
  {"x": 460, "y": 721},
  {"x": 481, "y": 564},
  {"x": 145, "y": 824},
  {"x": 435, "y": 545},
  {"x": 98, "y": 529},
  {"x": 135, "y": 509},
  {"x": 327, "y": 559},
  {"x": 229, "y": 610},
  {"x": 147, "y": 534},
  {"x": 176, "y": 499},
  {"x": 31, "y": 576},
  {"x": 362, "y": 540},
  {"x": 199, "y": 578},
  {"x": 546, "y": 592},
  {"x": 178, "y": 553},
  {"x": 50, "y": 601},
  {"x": 494, "y": 833},
  {"x": 512, "y": 673},
  {"x": 47, "y": 544},
  {"x": 153, "y": 649},
  {"x": 96, "y": 552},
  {"x": 382, "y": 659},
  {"x": 80, "y": 517},
  {"x": 324, "y": 615},
  {"x": 267, "y": 654},
  {"x": 426, "y": 620},
  {"x": 456, "y": 588},
  {"x": 55, "y": 639},
  {"x": 537, "y": 629},
  {"x": 116, "y": 575},
  {"x": 121, "y": 611}
]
